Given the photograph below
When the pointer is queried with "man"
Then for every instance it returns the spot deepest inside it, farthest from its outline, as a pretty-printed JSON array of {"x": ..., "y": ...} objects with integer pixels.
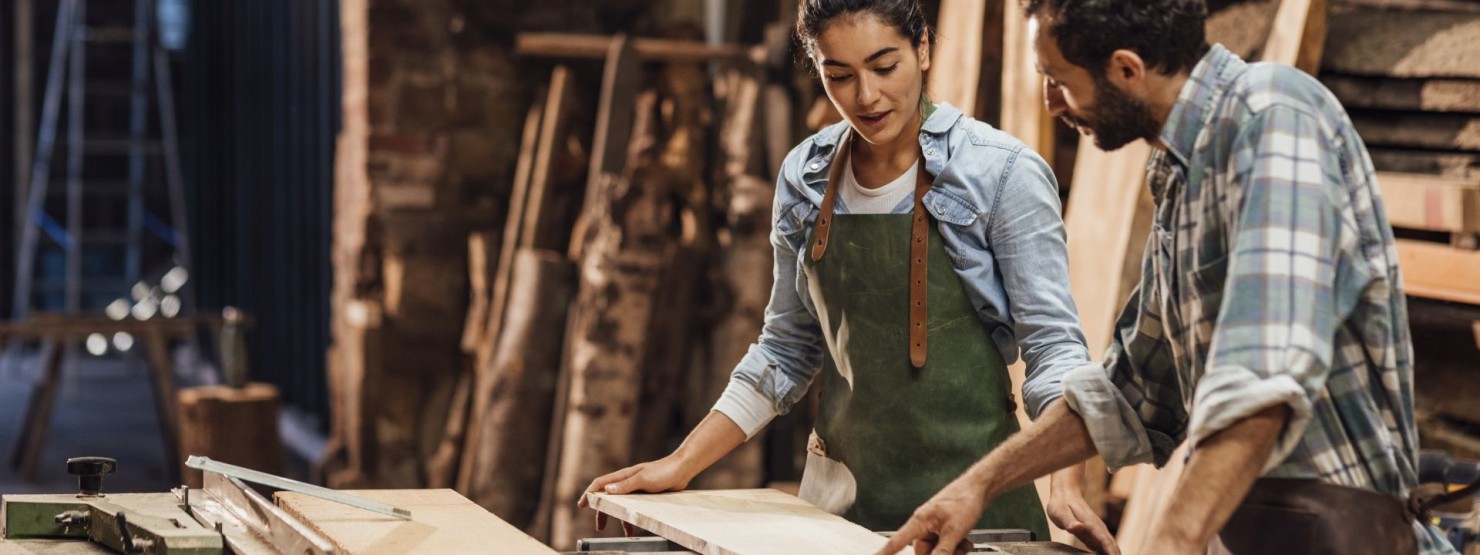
[{"x": 1269, "y": 330}]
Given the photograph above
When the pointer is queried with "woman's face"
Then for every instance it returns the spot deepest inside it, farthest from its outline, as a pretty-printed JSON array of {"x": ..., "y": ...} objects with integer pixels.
[{"x": 872, "y": 75}]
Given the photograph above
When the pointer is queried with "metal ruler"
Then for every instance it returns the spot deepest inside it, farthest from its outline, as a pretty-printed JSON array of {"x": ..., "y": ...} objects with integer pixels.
[{"x": 205, "y": 464}]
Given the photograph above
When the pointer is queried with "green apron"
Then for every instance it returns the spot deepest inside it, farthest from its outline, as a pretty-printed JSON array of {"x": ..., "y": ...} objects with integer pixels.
[{"x": 889, "y": 435}]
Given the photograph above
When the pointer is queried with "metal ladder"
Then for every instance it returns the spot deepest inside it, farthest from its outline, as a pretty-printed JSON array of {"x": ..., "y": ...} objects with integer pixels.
[{"x": 79, "y": 233}]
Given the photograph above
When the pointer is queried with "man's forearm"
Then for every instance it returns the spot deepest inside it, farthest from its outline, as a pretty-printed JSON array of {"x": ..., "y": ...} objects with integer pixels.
[
  {"x": 1056, "y": 440},
  {"x": 1216, "y": 478}
]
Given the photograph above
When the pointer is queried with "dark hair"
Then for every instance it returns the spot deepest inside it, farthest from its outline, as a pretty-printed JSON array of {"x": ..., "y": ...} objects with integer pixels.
[
  {"x": 906, "y": 16},
  {"x": 1167, "y": 34}
]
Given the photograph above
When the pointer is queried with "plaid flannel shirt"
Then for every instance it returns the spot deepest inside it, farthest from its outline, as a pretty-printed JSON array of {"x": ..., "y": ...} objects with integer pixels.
[{"x": 1270, "y": 278}]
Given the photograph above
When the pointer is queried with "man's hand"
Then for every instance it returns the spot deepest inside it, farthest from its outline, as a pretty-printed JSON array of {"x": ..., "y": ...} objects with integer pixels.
[
  {"x": 1069, "y": 511},
  {"x": 665, "y": 474},
  {"x": 939, "y": 527}
]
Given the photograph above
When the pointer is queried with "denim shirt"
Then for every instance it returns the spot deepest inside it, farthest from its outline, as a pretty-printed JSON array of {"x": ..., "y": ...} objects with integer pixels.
[{"x": 997, "y": 207}]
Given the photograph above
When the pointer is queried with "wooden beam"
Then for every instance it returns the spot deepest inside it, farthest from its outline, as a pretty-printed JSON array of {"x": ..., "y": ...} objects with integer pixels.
[
  {"x": 1298, "y": 35},
  {"x": 1458, "y": 165},
  {"x": 1023, "y": 113},
  {"x": 24, "y": 108},
  {"x": 734, "y": 522},
  {"x": 620, "y": 82},
  {"x": 1368, "y": 41},
  {"x": 957, "y": 52},
  {"x": 1429, "y": 202},
  {"x": 572, "y": 45},
  {"x": 1438, "y": 271},
  {"x": 1429, "y": 95},
  {"x": 1418, "y": 130},
  {"x": 441, "y": 522}
]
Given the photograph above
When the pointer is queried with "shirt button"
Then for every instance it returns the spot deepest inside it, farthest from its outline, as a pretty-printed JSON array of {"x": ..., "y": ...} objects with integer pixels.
[
  {"x": 930, "y": 152},
  {"x": 815, "y": 165}
]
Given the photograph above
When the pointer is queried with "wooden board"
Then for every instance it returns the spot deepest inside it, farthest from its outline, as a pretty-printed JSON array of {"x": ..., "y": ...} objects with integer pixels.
[
  {"x": 1418, "y": 130},
  {"x": 1438, "y": 271},
  {"x": 1430, "y": 202},
  {"x": 740, "y": 522},
  {"x": 1367, "y": 41},
  {"x": 620, "y": 82},
  {"x": 957, "y": 64},
  {"x": 1298, "y": 35},
  {"x": 1461, "y": 165},
  {"x": 1430, "y": 95},
  {"x": 442, "y": 522},
  {"x": 1023, "y": 113}
]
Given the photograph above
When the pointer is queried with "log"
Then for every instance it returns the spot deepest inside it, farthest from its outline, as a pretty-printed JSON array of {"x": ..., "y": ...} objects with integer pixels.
[
  {"x": 1429, "y": 95},
  {"x": 1418, "y": 130},
  {"x": 1428, "y": 202},
  {"x": 743, "y": 284},
  {"x": 1386, "y": 43},
  {"x": 506, "y": 450},
  {"x": 619, "y": 276},
  {"x": 1438, "y": 271},
  {"x": 234, "y": 426},
  {"x": 498, "y": 294}
]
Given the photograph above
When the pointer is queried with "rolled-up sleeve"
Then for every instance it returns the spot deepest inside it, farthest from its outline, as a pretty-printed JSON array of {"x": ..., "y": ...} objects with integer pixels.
[
  {"x": 1027, "y": 237},
  {"x": 1273, "y": 340},
  {"x": 779, "y": 367},
  {"x": 1131, "y": 403}
]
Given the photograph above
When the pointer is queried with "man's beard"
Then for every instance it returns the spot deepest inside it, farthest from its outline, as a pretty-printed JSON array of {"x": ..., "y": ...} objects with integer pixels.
[{"x": 1117, "y": 119}]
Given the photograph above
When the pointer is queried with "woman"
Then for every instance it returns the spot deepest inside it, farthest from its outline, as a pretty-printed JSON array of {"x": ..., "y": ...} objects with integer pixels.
[{"x": 915, "y": 247}]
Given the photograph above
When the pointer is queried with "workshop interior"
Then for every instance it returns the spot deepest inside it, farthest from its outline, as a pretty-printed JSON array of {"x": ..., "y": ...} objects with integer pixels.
[{"x": 458, "y": 276}]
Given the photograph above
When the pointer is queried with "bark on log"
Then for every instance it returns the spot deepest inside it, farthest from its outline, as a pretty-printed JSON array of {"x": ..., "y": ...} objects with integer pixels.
[
  {"x": 619, "y": 275},
  {"x": 508, "y": 448}
]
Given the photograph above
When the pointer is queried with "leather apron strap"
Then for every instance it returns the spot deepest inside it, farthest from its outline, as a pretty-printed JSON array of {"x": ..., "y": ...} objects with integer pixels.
[{"x": 919, "y": 245}]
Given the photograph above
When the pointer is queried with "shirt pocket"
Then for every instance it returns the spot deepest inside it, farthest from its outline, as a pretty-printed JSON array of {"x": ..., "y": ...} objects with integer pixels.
[{"x": 957, "y": 216}]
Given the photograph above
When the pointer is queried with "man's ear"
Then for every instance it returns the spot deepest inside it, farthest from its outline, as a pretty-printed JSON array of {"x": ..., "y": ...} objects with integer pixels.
[
  {"x": 924, "y": 52},
  {"x": 1126, "y": 69}
]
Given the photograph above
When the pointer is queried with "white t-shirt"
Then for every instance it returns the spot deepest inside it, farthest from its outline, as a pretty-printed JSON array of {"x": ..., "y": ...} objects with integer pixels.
[{"x": 895, "y": 197}]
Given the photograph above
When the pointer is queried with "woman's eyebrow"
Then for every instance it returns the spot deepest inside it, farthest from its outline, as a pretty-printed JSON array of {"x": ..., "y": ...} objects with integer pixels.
[{"x": 872, "y": 57}]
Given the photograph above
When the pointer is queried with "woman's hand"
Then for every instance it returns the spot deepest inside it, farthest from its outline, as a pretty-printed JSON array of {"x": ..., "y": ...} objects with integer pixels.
[
  {"x": 665, "y": 474},
  {"x": 1068, "y": 510}
]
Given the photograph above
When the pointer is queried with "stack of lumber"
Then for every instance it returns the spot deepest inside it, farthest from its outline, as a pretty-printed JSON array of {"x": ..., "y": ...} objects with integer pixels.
[{"x": 1410, "y": 79}]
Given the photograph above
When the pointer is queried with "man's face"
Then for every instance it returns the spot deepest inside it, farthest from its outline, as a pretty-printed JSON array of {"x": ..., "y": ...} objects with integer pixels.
[
  {"x": 1088, "y": 101},
  {"x": 872, "y": 75}
]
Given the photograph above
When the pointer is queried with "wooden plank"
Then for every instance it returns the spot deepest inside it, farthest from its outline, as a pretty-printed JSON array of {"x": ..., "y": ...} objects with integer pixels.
[
  {"x": 1105, "y": 239},
  {"x": 1023, "y": 114},
  {"x": 620, "y": 81},
  {"x": 957, "y": 52},
  {"x": 1298, "y": 35},
  {"x": 441, "y": 522},
  {"x": 538, "y": 229},
  {"x": 572, "y": 45},
  {"x": 740, "y": 522},
  {"x": 1368, "y": 41},
  {"x": 481, "y": 256},
  {"x": 1459, "y": 165},
  {"x": 1431, "y": 95},
  {"x": 1429, "y": 202},
  {"x": 1438, "y": 271},
  {"x": 1418, "y": 130}
]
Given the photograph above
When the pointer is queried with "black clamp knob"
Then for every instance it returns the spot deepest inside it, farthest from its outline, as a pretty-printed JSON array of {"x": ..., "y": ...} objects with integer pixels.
[{"x": 90, "y": 472}]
